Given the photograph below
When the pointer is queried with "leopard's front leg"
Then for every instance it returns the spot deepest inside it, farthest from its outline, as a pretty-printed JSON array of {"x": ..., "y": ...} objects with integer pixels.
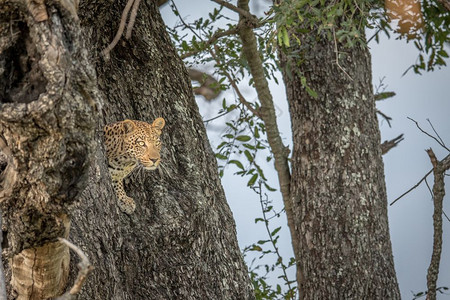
[{"x": 126, "y": 204}]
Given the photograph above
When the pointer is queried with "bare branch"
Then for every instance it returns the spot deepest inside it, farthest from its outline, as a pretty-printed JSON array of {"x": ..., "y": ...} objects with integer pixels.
[
  {"x": 132, "y": 18},
  {"x": 85, "y": 268},
  {"x": 439, "y": 168},
  {"x": 119, "y": 33},
  {"x": 337, "y": 55},
  {"x": 435, "y": 132},
  {"x": 388, "y": 145},
  {"x": 434, "y": 138},
  {"x": 386, "y": 117},
  {"x": 416, "y": 185}
]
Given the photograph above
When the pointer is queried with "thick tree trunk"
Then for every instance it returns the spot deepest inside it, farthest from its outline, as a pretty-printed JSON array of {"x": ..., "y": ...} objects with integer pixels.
[
  {"x": 180, "y": 243},
  {"x": 338, "y": 190}
]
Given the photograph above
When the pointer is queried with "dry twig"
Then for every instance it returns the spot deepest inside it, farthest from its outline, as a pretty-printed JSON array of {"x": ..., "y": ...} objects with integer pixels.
[
  {"x": 85, "y": 268},
  {"x": 416, "y": 185},
  {"x": 337, "y": 55},
  {"x": 434, "y": 138},
  {"x": 123, "y": 21}
]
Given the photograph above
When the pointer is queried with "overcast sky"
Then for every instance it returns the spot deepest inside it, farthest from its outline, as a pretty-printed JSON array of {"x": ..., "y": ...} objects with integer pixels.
[{"x": 410, "y": 219}]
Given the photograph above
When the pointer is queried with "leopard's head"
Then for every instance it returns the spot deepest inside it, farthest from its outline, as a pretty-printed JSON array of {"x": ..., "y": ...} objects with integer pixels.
[{"x": 143, "y": 143}]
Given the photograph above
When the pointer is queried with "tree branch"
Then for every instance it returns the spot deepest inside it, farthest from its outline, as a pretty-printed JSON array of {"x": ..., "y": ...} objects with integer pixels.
[
  {"x": 236, "y": 88},
  {"x": 119, "y": 33},
  {"x": 388, "y": 145},
  {"x": 85, "y": 268},
  {"x": 439, "y": 168},
  {"x": 133, "y": 15},
  {"x": 251, "y": 53},
  {"x": 209, "y": 87},
  {"x": 212, "y": 40},
  {"x": 416, "y": 185},
  {"x": 239, "y": 10},
  {"x": 434, "y": 138}
]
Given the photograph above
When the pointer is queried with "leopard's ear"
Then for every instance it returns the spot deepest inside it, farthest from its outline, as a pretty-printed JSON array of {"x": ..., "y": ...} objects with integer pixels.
[
  {"x": 129, "y": 125},
  {"x": 159, "y": 123}
]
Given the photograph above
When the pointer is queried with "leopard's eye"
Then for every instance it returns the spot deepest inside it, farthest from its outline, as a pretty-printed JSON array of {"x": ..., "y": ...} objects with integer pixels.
[{"x": 141, "y": 143}]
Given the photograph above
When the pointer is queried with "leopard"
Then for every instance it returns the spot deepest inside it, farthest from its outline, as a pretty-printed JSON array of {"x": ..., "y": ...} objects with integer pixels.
[{"x": 128, "y": 144}]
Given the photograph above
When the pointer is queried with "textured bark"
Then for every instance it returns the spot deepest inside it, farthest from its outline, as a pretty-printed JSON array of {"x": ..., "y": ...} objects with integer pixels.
[
  {"x": 337, "y": 187},
  {"x": 48, "y": 106},
  {"x": 181, "y": 241}
]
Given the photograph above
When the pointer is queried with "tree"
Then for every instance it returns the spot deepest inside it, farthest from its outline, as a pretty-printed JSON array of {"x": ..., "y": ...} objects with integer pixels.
[
  {"x": 337, "y": 189},
  {"x": 181, "y": 241},
  {"x": 335, "y": 198}
]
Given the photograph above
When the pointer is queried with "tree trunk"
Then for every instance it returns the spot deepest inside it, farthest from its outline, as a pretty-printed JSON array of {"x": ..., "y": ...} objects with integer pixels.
[
  {"x": 337, "y": 187},
  {"x": 180, "y": 243}
]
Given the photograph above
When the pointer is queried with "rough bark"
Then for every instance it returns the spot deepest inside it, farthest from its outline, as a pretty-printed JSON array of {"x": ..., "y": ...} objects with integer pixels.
[
  {"x": 181, "y": 241},
  {"x": 47, "y": 110},
  {"x": 337, "y": 188}
]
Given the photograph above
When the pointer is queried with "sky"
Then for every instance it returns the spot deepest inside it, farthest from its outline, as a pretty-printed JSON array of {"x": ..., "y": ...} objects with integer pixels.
[{"x": 419, "y": 97}]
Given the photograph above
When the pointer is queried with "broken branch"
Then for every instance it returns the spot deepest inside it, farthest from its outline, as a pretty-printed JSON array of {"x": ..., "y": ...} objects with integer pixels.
[{"x": 388, "y": 145}]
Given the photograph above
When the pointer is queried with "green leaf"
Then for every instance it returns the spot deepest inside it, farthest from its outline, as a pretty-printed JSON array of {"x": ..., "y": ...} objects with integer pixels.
[
  {"x": 259, "y": 220},
  {"x": 237, "y": 163},
  {"x": 275, "y": 231},
  {"x": 248, "y": 146},
  {"x": 262, "y": 242},
  {"x": 221, "y": 145},
  {"x": 269, "y": 187},
  {"x": 221, "y": 156},
  {"x": 248, "y": 155},
  {"x": 311, "y": 92},
  {"x": 243, "y": 138},
  {"x": 256, "y": 132},
  {"x": 256, "y": 248},
  {"x": 252, "y": 180},
  {"x": 285, "y": 37}
]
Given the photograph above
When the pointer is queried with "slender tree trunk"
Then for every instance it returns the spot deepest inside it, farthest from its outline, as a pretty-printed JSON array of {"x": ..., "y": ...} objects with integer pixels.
[
  {"x": 337, "y": 187},
  {"x": 181, "y": 241}
]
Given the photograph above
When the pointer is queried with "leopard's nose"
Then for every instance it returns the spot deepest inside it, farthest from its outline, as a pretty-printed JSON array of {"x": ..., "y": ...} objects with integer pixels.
[{"x": 154, "y": 160}]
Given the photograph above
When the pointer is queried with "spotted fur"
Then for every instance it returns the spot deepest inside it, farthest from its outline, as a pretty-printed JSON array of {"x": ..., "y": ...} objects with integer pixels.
[{"x": 129, "y": 143}]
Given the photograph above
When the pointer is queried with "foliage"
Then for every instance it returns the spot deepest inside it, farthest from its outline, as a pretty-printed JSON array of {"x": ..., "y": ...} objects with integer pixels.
[
  {"x": 436, "y": 35},
  {"x": 212, "y": 41},
  {"x": 266, "y": 248}
]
